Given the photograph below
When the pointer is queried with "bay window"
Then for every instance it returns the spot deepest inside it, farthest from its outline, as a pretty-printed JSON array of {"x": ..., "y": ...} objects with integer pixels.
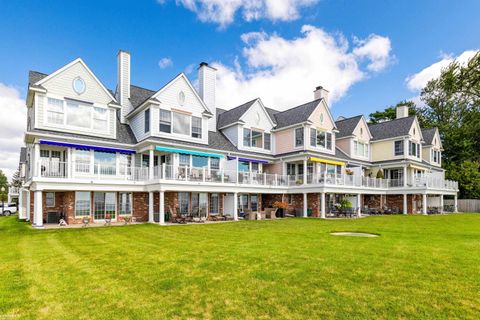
[
  {"x": 257, "y": 139},
  {"x": 79, "y": 114},
  {"x": 299, "y": 137},
  {"x": 320, "y": 139},
  {"x": 181, "y": 123},
  {"x": 55, "y": 111},
  {"x": 196, "y": 127},
  {"x": 165, "y": 121},
  {"x": 247, "y": 133}
]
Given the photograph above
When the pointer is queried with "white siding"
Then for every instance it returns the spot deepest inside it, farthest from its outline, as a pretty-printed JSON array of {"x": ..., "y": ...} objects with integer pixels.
[
  {"x": 256, "y": 117},
  {"x": 206, "y": 84},
  {"x": 123, "y": 82},
  {"x": 137, "y": 124}
]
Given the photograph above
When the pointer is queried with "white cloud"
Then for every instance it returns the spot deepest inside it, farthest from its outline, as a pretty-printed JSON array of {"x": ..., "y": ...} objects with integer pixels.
[
  {"x": 417, "y": 81},
  {"x": 165, "y": 63},
  {"x": 13, "y": 109},
  {"x": 223, "y": 12},
  {"x": 284, "y": 72}
]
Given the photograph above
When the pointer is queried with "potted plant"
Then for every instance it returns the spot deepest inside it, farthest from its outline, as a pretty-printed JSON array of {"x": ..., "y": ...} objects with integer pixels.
[
  {"x": 108, "y": 219},
  {"x": 349, "y": 172},
  {"x": 86, "y": 221},
  {"x": 380, "y": 174},
  {"x": 299, "y": 181}
]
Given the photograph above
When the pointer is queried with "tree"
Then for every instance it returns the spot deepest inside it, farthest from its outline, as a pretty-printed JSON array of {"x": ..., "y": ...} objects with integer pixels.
[
  {"x": 390, "y": 113},
  {"x": 3, "y": 184},
  {"x": 467, "y": 174},
  {"x": 16, "y": 180}
]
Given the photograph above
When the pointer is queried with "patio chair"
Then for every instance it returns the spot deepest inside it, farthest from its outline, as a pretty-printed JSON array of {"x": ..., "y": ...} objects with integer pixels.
[{"x": 250, "y": 215}]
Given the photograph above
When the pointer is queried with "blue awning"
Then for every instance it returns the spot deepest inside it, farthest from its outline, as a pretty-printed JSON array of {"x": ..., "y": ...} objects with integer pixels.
[
  {"x": 195, "y": 153},
  {"x": 247, "y": 159},
  {"x": 85, "y": 146}
]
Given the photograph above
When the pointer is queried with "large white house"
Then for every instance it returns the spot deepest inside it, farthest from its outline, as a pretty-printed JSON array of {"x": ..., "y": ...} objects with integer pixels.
[{"x": 135, "y": 152}]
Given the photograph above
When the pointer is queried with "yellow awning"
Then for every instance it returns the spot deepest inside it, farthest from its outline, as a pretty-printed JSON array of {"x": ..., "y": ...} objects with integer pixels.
[{"x": 327, "y": 161}]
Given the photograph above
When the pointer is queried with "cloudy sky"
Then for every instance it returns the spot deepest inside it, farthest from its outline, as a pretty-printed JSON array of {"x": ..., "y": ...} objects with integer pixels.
[{"x": 368, "y": 54}]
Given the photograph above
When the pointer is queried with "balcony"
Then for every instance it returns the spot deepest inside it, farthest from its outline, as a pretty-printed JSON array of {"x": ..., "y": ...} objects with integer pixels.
[{"x": 168, "y": 173}]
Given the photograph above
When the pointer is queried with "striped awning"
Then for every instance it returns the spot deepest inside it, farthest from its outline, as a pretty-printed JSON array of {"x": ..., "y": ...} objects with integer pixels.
[
  {"x": 85, "y": 146},
  {"x": 247, "y": 159},
  {"x": 314, "y": 159},
  {"x": 195, "y": 153}
]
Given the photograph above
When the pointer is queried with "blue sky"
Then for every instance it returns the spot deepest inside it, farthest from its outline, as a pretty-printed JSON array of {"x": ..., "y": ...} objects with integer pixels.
[{"x": 43, "y": 36}]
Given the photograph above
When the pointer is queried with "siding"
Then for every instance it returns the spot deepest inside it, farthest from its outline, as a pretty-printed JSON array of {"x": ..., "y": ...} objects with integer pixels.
[
  {"x": 232, "y": 134},
  {"x": 251, "y": 121},
  {"x": 284, "y": 141},
  {"x": 137, "y": 124}
]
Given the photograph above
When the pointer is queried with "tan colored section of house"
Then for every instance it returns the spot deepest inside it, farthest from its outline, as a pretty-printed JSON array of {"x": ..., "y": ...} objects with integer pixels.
[
  {"x": 344, "y": 145},
  {"x": 361, "y": 131},
  {"x": 383, "y": 150},
  {"x": 327, "y": 124},
  {"x": 284, "y": 141},
  {"x": 274, "y": 168}
]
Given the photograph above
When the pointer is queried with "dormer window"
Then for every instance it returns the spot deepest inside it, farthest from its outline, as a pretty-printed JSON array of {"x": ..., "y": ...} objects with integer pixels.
[
  {"x": 414, "y": 149},
  {"x": 181, "y": 123},
  {"x": 256, "y": 139},
  {"x": 360, "y": 149},
  {"x": 147, "y": 120},
  {"x": 196, "y": 127},
  {"x": 165, "y": 121}
]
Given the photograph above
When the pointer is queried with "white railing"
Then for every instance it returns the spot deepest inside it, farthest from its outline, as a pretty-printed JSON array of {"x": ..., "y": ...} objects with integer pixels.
[
  {"x": 58, "y": 169},
  {"x": 13, "y": 190}
]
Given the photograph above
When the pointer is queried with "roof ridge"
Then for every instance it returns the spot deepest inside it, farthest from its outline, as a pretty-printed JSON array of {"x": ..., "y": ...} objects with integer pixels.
[
  {"x": 243, "y": 104},
  {"x": 302, "y": 105},
  {"x": 360, "y": 115}
]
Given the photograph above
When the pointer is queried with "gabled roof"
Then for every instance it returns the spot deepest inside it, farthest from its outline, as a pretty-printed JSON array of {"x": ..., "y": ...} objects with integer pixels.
[
  {"x": 295, "y": 115},
  {"x": 391, "y": 129},
  {"x": 272, "y": 112},
  {"x": 228, "y": 117},
  {"x": 34, "y": 77},
  {"x": 347, "y": 126},
  {"x": 428, "y": 135},
  {"x": 139, "y": 95}
]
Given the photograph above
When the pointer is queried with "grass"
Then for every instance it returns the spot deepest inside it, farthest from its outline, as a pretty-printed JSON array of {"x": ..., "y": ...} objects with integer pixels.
[{"x": 420, "y": 267}]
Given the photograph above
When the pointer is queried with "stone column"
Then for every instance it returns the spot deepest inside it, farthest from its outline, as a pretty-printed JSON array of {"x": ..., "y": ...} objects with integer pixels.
[
  {"x": 405, "y": 204},
  {"x": 37, "y": 209},
  {"x": 150, "y": 207},
  {"x": 161, "y": 210},
  {"x": 322, "y": 206},
  {"x": 305, "y": 205},
  {"x": 424, "y": 204}
]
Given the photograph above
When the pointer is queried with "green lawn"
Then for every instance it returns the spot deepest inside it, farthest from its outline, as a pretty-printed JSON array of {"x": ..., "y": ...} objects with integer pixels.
[{"x": 420, "y": 267}]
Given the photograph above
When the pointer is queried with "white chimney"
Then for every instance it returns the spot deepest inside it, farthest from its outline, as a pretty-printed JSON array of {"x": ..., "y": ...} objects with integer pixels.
[
  {"x": 402, "y": 112},
  {"x": 207, "y": 78},
  {"x": 320, "y": 93},
  {"x": 123, "y": 84}
]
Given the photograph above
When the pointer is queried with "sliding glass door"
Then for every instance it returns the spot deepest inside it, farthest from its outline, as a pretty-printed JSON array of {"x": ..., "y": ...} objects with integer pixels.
[{"x": 104, "y": 205}]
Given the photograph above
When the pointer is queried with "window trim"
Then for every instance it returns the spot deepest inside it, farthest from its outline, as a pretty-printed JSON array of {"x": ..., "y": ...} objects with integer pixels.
[
  {"x": 146, "y": 122},
  {"x": 164, "y": 122},
  {"x": 301, "y": 129},
  {"x": 402, "y": 147},
  {"x": 46, "y": 200},
  {"x": 193, "y": 119}
]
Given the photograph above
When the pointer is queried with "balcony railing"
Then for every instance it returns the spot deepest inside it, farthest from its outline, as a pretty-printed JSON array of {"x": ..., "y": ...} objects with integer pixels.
[{"x": 59, "y": 169}]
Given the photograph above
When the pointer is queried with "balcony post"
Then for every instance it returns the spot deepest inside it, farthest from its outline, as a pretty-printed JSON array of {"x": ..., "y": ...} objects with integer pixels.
[
  {"x": 150, "y": 207},
  {"x": 276, "y": 179},
  {"x": 424, "y": 204},
  {"x": 161, "y": 209},
  {"x": 305, "y": 205},
  {"x": 264, "y": 179},
  {"x": 69, "y": 163},
  {"x": 37, "y": 209},
  {"x": 455, "y": 203},
  {"x": 305, "y": 171},
  {"x": 405, "y": 176},
  {"x": 405, "y": 204},
  {"x": 163, "y": 171},
  {"x": 322, "y": 205},
  {"x": 359, "y": 204},
  {"x": 235, "y": 206},
  {"x": 38, "y": 165},
  {"x": 441, "y": 203},
  {"x": 28, "y": 206},
  {"x": 150, "y": 164},
  {"x": 222, "y": 175}
]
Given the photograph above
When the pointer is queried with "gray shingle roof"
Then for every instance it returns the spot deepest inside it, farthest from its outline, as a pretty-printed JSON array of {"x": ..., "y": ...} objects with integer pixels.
[
  {"x": 272, "y": 112},
  {"x": 124, "y": 134},
  {"x": 295, "y": 115},
  {"x": 428, "y": 135},
  {"x": 216, "y": 140},
  {"x": 23, "y": 155},
  {"x": 391, "y": 129},
  {"x": 346, "y": 126},
  {"x": 233, "y": 115},
  {"x": 139, "y": 95},
  {"x": 34, "y": 77}
]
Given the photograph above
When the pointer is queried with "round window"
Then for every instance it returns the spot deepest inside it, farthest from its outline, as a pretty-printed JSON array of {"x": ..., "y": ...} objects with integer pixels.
[
  {"x": 79, "y": 85},
  {"x": 321, "y": 117},
  {"x": 257, "y": 118}
]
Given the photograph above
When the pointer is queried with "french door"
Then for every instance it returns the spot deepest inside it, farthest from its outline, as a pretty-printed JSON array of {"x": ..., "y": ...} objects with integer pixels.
[{"x": 104, "y": 206}]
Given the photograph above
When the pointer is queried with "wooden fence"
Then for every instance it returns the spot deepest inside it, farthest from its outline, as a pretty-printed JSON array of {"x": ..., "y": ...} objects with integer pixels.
[{"x": 465, "y": 205}]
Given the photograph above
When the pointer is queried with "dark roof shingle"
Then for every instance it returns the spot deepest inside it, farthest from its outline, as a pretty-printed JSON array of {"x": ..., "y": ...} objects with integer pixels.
[
  {"x": 391, "y": 129},
  {"x": 428, "y": 135},
  {"x": 295, "y": 115},
  {"x": 139, "y": 95},
  {"x": 346, "y": 126},
  {"x": 228, "y": 117}
]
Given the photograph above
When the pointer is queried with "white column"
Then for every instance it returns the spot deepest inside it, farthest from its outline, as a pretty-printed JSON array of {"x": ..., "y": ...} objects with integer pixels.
[
  {"x": 69, "y": 162},
  {"x": 37, "y": 209},
  {"x": 161, "y": 210},
  {"x": 359, "y": 203},
  {"x": 405, "y": 174},
  {"x": 235, "y": 206},
  {"x": 455, "y": 203},
  {"x": 305, "y": 205},
  {"x": 20, "y": 204},
  {"x": 322, "y": 205},
  {"x": 441, "y": 203},
  {"x": 405, "y": 204},
  {"x": 150, "y": 207},
  {"x": 305, "y": 171},
  {"x": 424, "y": 203},
  {"x": 28, "y": 205},
  {"x": 36, "y": 159},
  {"x": 150, "y": 165}
]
